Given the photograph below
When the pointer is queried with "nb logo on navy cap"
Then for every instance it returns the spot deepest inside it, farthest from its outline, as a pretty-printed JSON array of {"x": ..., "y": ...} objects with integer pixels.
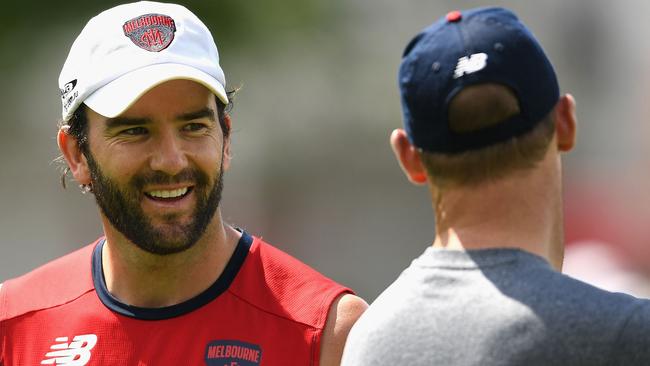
[{"x": 470, "y": 64}]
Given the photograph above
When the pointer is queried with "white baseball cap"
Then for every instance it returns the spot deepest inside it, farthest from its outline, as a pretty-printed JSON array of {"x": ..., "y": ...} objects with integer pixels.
[{"x": 129, "y": 49}]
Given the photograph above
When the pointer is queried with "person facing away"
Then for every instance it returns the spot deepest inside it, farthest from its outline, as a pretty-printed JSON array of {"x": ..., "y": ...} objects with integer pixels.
[
  {"x": 485, "y": 127},
  {"x": 146, "y": 130}
]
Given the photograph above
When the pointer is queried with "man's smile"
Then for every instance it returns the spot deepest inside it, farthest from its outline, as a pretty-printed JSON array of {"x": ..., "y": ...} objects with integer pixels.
[{"x": 168, "y": 194}]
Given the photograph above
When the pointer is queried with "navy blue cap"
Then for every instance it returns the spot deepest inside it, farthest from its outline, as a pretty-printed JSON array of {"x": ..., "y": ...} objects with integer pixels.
[{"x": 483, "y": 45}]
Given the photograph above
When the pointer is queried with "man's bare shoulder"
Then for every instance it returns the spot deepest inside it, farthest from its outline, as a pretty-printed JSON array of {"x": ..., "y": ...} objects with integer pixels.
[{"x": 343, "y": 313}]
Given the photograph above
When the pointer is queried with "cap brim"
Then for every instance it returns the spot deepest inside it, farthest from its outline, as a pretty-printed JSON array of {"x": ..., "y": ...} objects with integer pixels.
[{"x": 114, "y": 98}]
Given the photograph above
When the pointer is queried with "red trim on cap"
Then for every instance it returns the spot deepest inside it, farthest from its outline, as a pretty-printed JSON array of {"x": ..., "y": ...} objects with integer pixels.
[{"x": 454, "y": 16}]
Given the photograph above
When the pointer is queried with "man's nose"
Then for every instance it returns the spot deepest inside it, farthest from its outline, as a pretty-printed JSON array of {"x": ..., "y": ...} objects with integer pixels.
[{"x": 168, "y": 156}]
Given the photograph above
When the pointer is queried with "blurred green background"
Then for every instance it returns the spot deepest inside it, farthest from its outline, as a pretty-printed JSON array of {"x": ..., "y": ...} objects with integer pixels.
[{"x": 312, "y": 172}]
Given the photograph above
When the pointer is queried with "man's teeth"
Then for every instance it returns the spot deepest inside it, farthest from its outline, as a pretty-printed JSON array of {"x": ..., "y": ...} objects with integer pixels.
[{"x": 168, "y": 194}]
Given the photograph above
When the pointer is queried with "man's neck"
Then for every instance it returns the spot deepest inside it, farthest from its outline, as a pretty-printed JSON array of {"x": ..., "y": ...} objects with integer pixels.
[
  {"x": 142, "y": 279},
  {"x": 521, "y": 211}
]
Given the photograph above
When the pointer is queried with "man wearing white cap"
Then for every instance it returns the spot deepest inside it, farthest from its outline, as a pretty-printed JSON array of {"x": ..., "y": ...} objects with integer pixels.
[{"x": 146, "y": 130}]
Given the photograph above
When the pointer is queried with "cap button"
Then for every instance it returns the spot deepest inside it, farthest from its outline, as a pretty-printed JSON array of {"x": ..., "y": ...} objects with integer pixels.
[{"x": 454, "y": 16}]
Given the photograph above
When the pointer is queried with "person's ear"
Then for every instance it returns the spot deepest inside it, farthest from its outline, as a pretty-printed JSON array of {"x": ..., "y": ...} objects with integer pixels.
[
  {"x": 408, "y": 157},
  {"x": 566, "y": 122},
  {"x": 227, "y": 156},
  {"x": 73, "y": 155}
]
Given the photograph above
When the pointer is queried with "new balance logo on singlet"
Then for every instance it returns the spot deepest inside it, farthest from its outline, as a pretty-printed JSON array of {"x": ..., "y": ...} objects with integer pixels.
[
  {"x": 470, "y": 64},
  {"x": 75, "y": 353}
]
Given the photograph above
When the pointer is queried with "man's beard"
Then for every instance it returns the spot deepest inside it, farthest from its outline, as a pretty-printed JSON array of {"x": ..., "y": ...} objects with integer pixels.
[{"x": 121, "y": 205}]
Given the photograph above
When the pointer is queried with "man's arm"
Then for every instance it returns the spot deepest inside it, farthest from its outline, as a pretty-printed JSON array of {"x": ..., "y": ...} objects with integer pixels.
[{"x": 345, "y": 311}]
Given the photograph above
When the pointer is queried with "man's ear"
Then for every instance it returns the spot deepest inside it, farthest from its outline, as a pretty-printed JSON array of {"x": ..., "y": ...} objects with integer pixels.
[
  {"x": 566, "y": 122},
  {"x": 227, "y": 156},
  {"x": 73, "y": 156},
  {"x": 408, "y": 157}
]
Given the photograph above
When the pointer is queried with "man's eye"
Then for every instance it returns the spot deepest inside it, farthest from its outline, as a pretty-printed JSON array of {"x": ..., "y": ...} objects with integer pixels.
[
  {"x": 134, "y": 131},
  {"x": 194, "y": 127}
]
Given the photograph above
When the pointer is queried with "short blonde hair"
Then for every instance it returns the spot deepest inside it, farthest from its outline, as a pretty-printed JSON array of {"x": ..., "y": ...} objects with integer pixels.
[{"x": 481, "y": 106}]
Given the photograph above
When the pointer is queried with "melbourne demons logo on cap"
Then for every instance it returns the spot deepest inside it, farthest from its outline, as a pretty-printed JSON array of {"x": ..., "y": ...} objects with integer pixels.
[{"x": 151, "y": 32}]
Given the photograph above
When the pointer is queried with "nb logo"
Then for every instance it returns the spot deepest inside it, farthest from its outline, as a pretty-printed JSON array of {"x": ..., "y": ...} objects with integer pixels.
[
  {"x": 470, "y": 64},
  {"x": 75, "y": 353}
]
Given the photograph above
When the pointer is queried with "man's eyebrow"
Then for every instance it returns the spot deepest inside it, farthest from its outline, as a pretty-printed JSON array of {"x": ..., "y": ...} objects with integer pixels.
[
  {"x": 125, "y": 121},
  {"x": 202, "y": 113}
]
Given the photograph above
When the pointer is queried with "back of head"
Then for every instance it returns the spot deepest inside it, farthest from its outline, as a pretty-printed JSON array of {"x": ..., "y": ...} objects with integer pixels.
[{"x": 477, "y": 94}]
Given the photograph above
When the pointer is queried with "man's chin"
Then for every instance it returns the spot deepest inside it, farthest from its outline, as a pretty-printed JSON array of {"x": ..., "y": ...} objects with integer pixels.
[
  {"x": 168, "y": 238},
  {"x": 166, "y": 247}
]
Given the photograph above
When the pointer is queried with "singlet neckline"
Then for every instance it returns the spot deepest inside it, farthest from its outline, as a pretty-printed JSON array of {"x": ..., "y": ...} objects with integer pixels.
[{"x": 217, "y": 288}]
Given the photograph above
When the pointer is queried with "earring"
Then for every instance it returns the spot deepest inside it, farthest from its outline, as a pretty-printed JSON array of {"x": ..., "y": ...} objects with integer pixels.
[{"x": 86, "y": 188}]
